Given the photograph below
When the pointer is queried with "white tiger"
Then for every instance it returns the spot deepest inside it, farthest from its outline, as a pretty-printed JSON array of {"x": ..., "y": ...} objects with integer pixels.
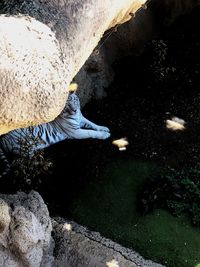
[{"x": 70, "y": 124}]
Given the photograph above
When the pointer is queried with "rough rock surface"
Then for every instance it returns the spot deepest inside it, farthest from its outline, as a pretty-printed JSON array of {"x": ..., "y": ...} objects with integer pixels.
[
  {"x": 26, "y": 239},
  {"x": 25, "y": 231},
  {"x": 146, "y": 24},
  {"x": 43, "y": 44},
  {"x": 128, "y": 38},
  {"x": 94, "y": 77},
  {"x": 77, "y": 246}
]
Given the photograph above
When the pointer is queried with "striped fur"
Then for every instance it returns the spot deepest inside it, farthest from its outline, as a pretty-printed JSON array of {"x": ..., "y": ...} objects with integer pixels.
[
  {"x": 5, "y": 162},
  {"x": 70, "y": 124}
]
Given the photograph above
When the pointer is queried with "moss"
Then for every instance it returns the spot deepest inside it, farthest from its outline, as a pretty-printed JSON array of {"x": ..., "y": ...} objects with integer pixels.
[{"x": 109, "y": 205}]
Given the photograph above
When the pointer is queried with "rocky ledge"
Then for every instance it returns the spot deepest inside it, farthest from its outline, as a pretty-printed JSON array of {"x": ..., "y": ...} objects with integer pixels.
[{"x": 30, "y": 238}]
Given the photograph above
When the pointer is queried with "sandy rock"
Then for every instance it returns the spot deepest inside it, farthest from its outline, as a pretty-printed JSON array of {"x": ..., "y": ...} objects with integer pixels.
[
  {"x": 43, "y": 45},
  {"x": 25, "y": 238}
]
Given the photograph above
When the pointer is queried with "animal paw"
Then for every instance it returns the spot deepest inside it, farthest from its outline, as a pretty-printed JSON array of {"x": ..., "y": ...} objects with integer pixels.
[
  {"x": 103, "y": 128},
  {"x": 105, "y": 135}
]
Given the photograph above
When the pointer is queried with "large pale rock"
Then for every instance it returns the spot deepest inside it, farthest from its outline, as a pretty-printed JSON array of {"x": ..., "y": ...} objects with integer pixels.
[
  {"x": 25, "y": 231},
  {"x": 43, "y": 44}
]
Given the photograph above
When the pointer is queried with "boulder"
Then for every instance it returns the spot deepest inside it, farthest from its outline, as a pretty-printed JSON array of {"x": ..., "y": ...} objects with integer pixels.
[
  {"x": 43, "y": 45},
  {"x": 25, "y": 231}
]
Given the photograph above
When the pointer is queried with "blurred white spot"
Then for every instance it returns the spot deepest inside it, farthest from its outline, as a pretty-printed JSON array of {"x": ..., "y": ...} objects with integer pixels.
[
  {"x": 67, "y": 226},
  {"x": 175, "y": 124},
  {"x": 112, "y": 263},
  {"x": 121, "y": 143},
  {"x": 178, "y": 120},
  {"x": 73, "y": 87},
  {"x": 122, "y": 148}
]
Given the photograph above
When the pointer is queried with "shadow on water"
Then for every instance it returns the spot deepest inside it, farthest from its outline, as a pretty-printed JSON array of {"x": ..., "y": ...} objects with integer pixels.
[{"x": 137, "y": 104}]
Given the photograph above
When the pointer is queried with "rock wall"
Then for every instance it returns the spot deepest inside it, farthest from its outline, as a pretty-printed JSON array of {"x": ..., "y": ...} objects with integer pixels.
[
  {"x": 43, "y": 44},
  {"x": 94, "y": 77},
  {"x": 30, "y": 238},
  {"x": 146, "y": 24},
  {"x": 25, "y": 231},
  {"x": 126, "y": 39}
]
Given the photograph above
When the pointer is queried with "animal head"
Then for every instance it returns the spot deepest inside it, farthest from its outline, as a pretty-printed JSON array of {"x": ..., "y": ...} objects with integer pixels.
[{"x": 72, "y": 104}]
